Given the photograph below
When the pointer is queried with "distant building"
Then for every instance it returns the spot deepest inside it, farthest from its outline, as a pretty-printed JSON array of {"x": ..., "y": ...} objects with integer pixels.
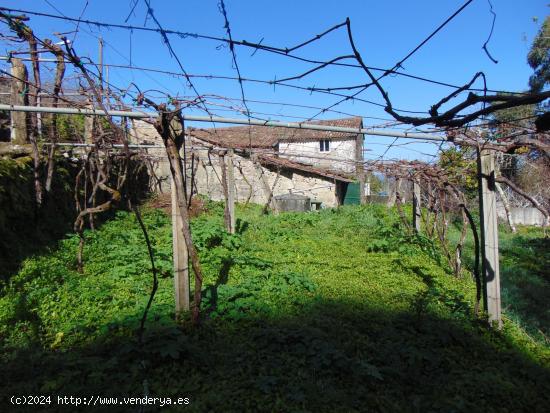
[{"x": 317, "y": 164}]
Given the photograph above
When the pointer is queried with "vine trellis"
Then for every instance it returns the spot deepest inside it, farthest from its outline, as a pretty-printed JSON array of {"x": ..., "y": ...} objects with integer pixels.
[{"x": 104, "y": 179}]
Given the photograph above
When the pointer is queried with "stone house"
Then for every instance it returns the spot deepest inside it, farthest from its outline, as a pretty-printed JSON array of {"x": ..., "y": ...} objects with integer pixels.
[{"x": 317, "y": 164}]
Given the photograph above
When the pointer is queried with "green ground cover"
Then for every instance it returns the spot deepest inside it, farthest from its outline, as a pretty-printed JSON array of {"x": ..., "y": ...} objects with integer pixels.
[
  {"x": 337, "y": 311},
  {"x": 525, "y": 277}
]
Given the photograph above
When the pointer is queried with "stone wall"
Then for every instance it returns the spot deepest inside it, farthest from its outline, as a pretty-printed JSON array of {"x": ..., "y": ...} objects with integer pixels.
[
  {"x": 251, "y": 180},
  {"x": 25, "y": 227},
  {"x": 144, "y": 133},
  {"x": 250, "y": 177}
]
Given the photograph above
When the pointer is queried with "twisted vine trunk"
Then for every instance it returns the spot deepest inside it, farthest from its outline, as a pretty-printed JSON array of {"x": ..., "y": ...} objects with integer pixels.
[
  {"x": 504, "y": 200},
  {"x": 225, "y": 187},
  {"x": 60, "y": 71},
  {"x": 524, "y": 194},
  {"x": 170, "y": 128},
  {"x": 250, "y": 188},
  {"x": 460, "y": 245},
  {"x": 33, "y": 101},
  {"x": 467, "y": 217}
]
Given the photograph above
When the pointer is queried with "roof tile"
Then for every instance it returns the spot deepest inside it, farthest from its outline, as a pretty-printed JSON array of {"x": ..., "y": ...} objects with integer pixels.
[{"x": 242, "y": 137}]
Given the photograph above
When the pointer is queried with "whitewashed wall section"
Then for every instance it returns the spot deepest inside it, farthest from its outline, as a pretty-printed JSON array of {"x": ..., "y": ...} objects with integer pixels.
[{"x": 340, "y": 157}]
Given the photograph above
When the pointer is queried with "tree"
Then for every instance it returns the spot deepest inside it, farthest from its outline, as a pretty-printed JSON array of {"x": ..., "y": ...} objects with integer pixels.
[
  {"x": 539, "y": 58},
  {"x": 375, "y": 183},
  {"x": 460, "y": 165},
  {"x": 507, "y": 122}
]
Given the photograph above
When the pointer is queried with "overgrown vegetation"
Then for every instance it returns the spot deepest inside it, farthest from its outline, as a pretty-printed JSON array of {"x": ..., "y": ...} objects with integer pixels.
[
  {"x": 23, "y": 227},
  {"x": 26, "y": 228},
  {"x": 525, "y": 277},
  {"x": 339, "y": 310}
]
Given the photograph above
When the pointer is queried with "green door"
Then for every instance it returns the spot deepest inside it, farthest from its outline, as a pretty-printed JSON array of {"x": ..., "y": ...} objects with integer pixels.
[{"x": 352, "y": 194}]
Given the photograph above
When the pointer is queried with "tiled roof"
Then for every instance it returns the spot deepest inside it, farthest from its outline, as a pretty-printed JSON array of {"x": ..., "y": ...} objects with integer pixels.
[
  {"x": 286, "y": 163},
  {"x": 242, "y": 137}
]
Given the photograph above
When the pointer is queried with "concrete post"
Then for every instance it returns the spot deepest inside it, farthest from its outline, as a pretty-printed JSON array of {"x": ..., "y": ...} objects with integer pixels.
[
  {"x": 489, "y": 235},
  {"x": 180, "y": 257},
  {"x": 416, "y": 206},
  {"x": 359, "y": 168},
  {"x": 231, "y": 191},
  {"x": 19, "y": 96}
]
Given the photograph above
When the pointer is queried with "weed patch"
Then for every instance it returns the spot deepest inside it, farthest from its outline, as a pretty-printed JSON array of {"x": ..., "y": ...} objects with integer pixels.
[{"x": 338, "y": 310}]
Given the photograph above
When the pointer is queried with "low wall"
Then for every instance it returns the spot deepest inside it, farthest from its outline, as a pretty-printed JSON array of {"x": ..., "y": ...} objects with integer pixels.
[
  {"x": 26, "y": 228},
  {"x": 23, "y": 227},
  {"x": 527, "y": 216},
  {"x": 250, "y": 180},
  {"x": 522, "y": 215}
]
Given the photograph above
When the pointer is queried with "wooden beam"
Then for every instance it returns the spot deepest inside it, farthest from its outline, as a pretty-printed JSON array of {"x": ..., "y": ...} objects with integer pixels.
[
  {"x": 489, "y": 236},
  {"x": 265, "y": 185}
]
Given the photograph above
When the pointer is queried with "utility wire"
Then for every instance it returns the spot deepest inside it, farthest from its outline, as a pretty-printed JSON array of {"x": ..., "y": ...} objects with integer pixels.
[
  {"x": 430, "y": 36},
  {"x": 282, "y": 51},
  {"x": 223, "y": 11},
  {"x": 399, "y": 64},
  {"x": 173, "y": 53},
  {"x": 105, "y": 42}
]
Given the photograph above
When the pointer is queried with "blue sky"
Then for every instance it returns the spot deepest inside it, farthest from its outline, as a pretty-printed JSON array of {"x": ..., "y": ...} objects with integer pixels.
[{"x": 384, "y": 33}]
